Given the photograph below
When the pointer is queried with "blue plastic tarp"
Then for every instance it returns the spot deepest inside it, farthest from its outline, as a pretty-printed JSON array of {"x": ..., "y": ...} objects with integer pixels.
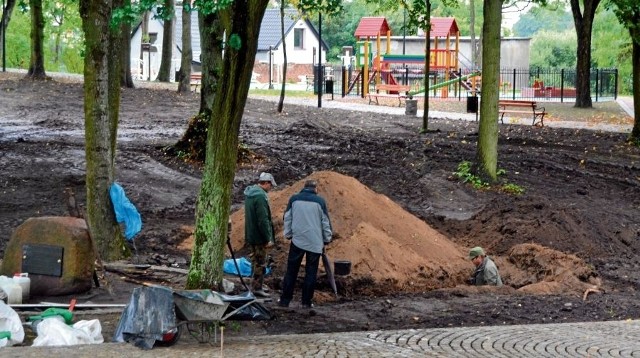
[
  {"x": 125, "y": 212},
  {"x": 243, "y": 264}
]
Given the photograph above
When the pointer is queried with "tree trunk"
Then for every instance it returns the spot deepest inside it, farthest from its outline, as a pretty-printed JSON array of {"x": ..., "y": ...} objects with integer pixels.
[
  {"x": 184, "y": 83},
  {"x": 144, "y": 39},
  {"x": 211, "y": 40},
  {"x": 487, "y": 155},
  {"x": 6, "y": 17},
  {"x": 584, "y": 24},
  {"x": 284, "y": 51},
  {"x": 101, "y": 105},
  {"x": 242, "y": 23},
  {"x": 36, "y": 64},
  {"x": 164, "y": 73},
  {"x": 125, "y": 51},
  {"x": 427, "y": 68},
  {"x": 635, "y": 40},
  {"x": 472, "y": 34}
]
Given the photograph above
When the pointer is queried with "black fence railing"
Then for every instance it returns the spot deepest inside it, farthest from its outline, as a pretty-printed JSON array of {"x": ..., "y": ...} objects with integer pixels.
[{"x": 535, "y": 83}]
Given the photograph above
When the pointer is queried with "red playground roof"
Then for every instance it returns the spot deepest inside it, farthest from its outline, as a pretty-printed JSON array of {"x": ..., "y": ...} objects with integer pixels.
[
  {"x": 443, "y": 26},
  {"x": 372, "y": 26}
]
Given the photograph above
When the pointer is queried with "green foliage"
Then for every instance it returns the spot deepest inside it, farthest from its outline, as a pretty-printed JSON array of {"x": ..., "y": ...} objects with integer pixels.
[
  {"x": 325, "y": 7},
  {"x": 512, "y": 189},
  {"x": 235, "y": 42},
  {"x": 554, "y": 50},
  {"x": 67, "y": 28},
  {"x": 613, "y": 47},
  {"x": 465, "y": 174},
  {"x": 553, "y": 19}
]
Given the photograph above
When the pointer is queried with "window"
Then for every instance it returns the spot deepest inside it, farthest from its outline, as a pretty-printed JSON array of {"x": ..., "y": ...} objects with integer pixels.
[{"x": 298, "y": 39}]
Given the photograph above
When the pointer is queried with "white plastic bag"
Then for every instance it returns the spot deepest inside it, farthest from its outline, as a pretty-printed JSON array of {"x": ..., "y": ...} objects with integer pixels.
[
  {"x": 54, "y": 332},
  {"x": 10, "y": 322}
]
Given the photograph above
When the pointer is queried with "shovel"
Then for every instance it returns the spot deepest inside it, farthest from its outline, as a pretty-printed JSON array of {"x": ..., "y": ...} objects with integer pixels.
[{"x": 327, "y": 267}]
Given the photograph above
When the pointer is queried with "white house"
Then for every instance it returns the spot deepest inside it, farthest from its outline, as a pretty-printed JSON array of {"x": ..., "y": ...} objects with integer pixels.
[{"x": 301, "y": 38}]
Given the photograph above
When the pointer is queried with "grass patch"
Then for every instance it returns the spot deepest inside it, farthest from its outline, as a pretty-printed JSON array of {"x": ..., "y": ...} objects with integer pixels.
[{"x": 276, "y": 93}]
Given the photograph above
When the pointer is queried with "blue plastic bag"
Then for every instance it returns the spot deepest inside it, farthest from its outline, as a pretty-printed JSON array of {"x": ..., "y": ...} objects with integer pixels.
[
  {"x": 243, "y": 264},
  {"x": 125, "y": 212}
]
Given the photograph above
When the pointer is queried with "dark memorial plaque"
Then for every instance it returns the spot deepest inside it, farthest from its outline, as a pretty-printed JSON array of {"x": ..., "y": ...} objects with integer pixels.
[{"x": 42, "y": 259}]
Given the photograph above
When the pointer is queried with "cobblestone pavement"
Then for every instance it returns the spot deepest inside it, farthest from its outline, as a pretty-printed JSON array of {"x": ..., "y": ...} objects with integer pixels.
[{"x": 591, "y": 339}]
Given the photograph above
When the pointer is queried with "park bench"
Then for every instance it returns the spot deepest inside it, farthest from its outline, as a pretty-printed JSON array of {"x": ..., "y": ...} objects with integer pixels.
[
  {"x": 195, "y": 80},
  {"x": 508, "y": 106},
  {"x": 391, "y": 91}
]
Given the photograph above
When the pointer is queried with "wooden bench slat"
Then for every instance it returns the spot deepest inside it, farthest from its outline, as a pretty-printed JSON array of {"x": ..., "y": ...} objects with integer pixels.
[
  {"x": 389, "y": 88},
  {"x": 536, "y": 111},
  {"x": 195, "y": 80}
]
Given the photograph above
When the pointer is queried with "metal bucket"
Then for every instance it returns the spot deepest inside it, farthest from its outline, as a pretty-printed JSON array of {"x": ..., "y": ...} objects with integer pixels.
[{"x": 342, "y": 267}]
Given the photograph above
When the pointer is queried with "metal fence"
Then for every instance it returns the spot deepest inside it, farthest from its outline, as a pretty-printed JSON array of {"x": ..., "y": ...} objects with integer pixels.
[{"x": 557, "y": 85}]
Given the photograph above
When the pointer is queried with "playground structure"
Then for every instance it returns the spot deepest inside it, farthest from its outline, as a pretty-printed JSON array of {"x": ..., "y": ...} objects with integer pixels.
[{"x": 378, "y": 68}]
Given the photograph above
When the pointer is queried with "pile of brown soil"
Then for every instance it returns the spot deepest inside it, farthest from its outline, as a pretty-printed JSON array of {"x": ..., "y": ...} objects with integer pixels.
[{"x": 393, "y": 249}]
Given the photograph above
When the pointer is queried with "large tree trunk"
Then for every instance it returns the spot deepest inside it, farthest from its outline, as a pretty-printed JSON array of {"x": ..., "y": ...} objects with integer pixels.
[
  {"x": 242, "y": 22},
  {"x": 184, "y": 82},
  {"x": 487, "y": 155},
  {"x": 101, "y": 105},
  {"x": 584, "y": 24},
  {"x": 284, "y": 51},
  {"x": 36, "y": 64},
  {"x": 635, "y": 40},
  {"x": 164, "y": 74},
  {"x": 427, "y": 67},
  {"x": 125, "y": 39}
]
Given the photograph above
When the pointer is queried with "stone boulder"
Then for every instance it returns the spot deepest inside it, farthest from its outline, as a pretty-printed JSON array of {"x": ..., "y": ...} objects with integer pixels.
[{"x": 57, "y": 250}]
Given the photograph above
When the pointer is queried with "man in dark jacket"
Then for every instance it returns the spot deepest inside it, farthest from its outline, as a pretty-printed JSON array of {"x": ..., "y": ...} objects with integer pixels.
[
  {"x": 307, "y": 225},
  {"x": 258, "y": 229}
]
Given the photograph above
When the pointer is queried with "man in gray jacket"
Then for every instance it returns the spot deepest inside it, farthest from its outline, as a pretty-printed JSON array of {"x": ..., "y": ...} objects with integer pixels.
[
  {"x": 307, "y": 225},
  {"x": 486, "y": 272}
]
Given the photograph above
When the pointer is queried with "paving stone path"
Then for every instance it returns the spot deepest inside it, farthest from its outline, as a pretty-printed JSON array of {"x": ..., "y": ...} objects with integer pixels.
[{"x": 590, "y": 339}]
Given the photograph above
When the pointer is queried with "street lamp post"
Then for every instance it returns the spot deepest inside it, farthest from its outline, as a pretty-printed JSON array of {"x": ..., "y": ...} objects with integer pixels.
[
  {"x": 270, "y": 67},
  {"x": 4, "y": 46},
  {"x": 404, "y": 30},
  {"x": 319, "y": 80}
]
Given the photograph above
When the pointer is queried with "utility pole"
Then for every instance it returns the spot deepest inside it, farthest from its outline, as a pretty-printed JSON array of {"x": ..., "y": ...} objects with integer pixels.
[
  {"x": 270, "y": 64},
  {"x": 319, "y": 80},
  {"x": 4, "y": 38}
]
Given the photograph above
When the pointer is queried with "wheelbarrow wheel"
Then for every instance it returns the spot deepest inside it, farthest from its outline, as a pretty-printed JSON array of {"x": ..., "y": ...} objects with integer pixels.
[{"x": 170, "y": 338}]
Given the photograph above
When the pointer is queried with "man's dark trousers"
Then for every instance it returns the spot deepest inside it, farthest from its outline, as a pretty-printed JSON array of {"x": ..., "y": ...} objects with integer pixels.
[{"x": 293, "y": 266}]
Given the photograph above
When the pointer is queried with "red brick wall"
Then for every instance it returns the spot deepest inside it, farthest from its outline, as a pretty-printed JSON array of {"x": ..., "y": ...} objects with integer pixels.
[{"x": 294, "y": 70}]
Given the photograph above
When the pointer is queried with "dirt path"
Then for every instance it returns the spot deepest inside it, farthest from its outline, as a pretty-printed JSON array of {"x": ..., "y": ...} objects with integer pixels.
[{"x": 581, "y": 196}]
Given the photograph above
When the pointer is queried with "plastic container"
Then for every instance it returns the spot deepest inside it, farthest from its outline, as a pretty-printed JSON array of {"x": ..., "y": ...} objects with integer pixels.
[
  {"x": 25, "y": 284},
  {"x": 12, "y": 289}
]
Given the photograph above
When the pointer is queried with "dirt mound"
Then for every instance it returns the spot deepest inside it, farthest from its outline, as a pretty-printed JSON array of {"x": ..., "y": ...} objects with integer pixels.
[
  {"x": 390, "y": 247},
  {"x": 539, "y": 270},
  {"x": 382, "y": 240}
]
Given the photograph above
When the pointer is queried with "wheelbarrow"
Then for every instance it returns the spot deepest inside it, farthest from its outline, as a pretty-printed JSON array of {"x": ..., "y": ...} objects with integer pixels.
[
  {"x": 158, "y": 315},
  {"x": 206, "y": 310}
]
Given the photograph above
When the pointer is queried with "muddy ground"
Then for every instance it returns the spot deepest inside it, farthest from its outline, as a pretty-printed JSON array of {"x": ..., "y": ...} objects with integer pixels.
[{"x": 581, "y": 196}]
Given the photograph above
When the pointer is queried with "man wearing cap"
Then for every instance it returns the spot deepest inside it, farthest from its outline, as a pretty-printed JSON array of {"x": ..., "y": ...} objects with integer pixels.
[
  {"x": 307, "y": 225},
  {"x": 258, "y": 229},
  {"x": 486, "y": 272}
]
